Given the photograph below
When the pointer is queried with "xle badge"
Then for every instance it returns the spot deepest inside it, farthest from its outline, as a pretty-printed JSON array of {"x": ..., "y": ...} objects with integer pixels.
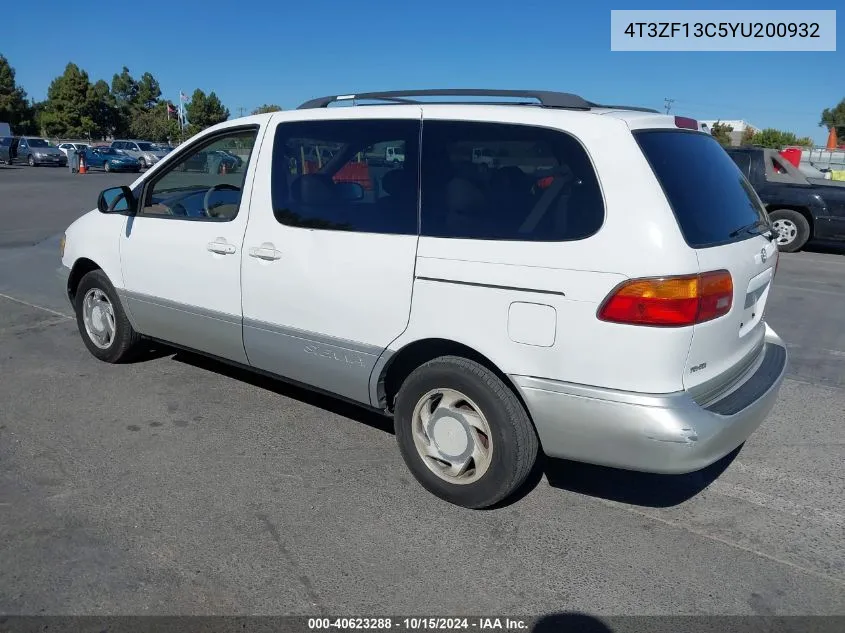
[{"x": 340, "y": 357}]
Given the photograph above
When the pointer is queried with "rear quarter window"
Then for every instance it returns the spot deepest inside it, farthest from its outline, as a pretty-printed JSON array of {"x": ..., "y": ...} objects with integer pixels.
[
  {"x": 498, "y": 181},
  {"x": 711, "y": 198}
]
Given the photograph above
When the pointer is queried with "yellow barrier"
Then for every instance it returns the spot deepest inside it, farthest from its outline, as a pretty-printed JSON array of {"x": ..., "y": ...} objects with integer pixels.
[{"x": 839, "y": 174}]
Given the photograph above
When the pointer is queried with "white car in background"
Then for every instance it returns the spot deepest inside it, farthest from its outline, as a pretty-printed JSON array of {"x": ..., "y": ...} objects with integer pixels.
[{"x": 65, "y": 146}]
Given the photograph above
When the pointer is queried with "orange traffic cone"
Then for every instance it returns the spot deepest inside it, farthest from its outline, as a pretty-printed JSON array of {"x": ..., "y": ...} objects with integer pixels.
[{"x": 832, "y": 141}]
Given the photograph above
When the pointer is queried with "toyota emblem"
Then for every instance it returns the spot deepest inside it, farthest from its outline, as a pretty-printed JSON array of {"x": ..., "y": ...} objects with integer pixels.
[{"x": 763, "y": 256}]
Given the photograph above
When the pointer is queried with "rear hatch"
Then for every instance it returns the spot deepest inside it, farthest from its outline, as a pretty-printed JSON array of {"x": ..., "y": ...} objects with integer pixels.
[{"x": 722, "y": 218}]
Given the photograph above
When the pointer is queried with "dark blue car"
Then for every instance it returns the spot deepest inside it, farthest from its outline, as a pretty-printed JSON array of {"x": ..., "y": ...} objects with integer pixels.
[{"x": 110, "y": 160}]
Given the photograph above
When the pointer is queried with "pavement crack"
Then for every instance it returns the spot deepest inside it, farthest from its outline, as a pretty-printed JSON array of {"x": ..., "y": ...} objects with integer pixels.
[
  {"x": 688, "y": 528},
  {"x": 304, "y": 580}
]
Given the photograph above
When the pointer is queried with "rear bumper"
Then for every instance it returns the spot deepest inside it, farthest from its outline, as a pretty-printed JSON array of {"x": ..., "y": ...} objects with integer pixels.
[{"x": 662, "y": 433}]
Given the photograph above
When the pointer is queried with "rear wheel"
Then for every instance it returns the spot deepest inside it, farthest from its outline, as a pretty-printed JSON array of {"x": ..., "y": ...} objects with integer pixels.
[
  {"x": 101, "y": 320},
  {"x": 792, "y": 228},
  {"x": 463, "y": 433}
]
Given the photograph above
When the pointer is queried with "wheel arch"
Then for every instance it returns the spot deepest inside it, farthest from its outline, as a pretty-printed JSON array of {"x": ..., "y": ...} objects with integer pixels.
[
  {"x": 81, "y": 267},
  {"x": 389, "y": 376}
]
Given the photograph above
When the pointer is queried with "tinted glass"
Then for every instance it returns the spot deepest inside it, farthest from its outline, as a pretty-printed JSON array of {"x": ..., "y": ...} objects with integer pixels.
[
  {"x": 333, "y": 175},
  {"x": 147, "y": 147},
  {"x": 38, "y": 142},
  {"x": 498, "y": 181},
  {"x": 743, "y": 161},
  {"x": 204, "y": 184},
  {"x": 712, "y": 200}
]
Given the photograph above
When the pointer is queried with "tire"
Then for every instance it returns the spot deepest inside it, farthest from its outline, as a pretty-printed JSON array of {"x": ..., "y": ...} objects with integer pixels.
[
  {"x": 106, "y": 166},
  {"x": 31, "y": 161},
  {"x": 511, "y": 446},
  {"x": 143, "y": 163},
  {"x": 125, "y": 341},
  {"x": 792, "y": 227}
]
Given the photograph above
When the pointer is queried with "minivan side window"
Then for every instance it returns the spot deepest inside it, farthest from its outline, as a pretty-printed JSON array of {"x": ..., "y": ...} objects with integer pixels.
[
  {"x": 335, "y": 175},
  {"x": 498, "y": 181},
  {"x": 205, "y": 183}
]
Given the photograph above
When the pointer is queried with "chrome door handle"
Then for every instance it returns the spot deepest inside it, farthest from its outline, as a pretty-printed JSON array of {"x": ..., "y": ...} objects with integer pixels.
[
  {"x": 266, "y": 252},
  {"x": 220, "y": 247}
]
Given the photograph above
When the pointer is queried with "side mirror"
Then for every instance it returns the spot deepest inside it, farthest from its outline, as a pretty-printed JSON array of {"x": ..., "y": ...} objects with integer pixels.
[
  {"x": 349, "y": 191},
  {"x": 117, "y": 200}
]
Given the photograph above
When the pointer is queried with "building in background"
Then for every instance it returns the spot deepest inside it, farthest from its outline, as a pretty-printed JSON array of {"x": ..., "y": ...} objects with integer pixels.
[{"x": 739, "y": 128}]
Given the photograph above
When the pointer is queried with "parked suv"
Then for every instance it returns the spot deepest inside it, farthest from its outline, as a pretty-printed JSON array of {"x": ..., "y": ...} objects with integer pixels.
[
  {"x": 600, "y": 297},
  {"x": 146, "y": 153}
]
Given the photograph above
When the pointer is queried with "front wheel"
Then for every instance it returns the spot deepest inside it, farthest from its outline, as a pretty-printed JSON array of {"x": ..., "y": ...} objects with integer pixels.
[
  {"x": 107, "y": 167},
  {"x": 463, "y": 433},
  {"x": 31, "y": 160},
  {"x": 143, "y": 163},
  {"x": 792, "y": 229},
  {"x": 101, "y": 320}
]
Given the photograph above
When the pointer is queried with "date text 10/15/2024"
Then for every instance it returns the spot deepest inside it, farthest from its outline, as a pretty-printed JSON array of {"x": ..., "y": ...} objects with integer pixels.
[{"x": 418, "y": 624}]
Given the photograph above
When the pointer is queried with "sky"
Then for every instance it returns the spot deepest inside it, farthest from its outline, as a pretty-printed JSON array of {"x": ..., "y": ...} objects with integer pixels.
[{"x": 266, "y": 51}]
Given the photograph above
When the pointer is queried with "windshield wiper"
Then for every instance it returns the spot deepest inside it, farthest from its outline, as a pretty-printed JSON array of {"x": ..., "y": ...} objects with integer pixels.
[{"x": 749, "y": 228}]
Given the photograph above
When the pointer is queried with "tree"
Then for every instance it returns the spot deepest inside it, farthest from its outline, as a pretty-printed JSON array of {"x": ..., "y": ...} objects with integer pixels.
[
  {"x": 204, "y": 111},
  {"x": 835, "y": 117},
  {"x": 104, "y": 110},
  {"x": 148, "y": 92},
  {"x": 71, "y": 108},
  {"x": 124, "y": 88},
  {"x": 14, "y": 107},
  {"x": 773, "y": 138},
  {"x": 805, "y": 141},
  {"x": 155, "y": 124},
  {"x": 722, "y": 133},
  {"x": 267, "y": 107},
  {"x": 747, "y": 136}
]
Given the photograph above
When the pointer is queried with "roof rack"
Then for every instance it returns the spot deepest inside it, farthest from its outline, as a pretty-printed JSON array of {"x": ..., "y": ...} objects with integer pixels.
[{"x": 546, "y": 98}]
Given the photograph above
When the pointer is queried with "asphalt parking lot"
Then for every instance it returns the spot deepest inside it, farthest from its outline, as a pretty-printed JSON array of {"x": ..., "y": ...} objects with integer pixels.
[{"x": 177, "y": 485}]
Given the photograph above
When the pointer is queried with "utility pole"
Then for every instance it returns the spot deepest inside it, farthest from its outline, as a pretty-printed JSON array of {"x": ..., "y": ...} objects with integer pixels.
[
  {"x": 668, "y": 103},
  {"x": 241, "y": 111}
]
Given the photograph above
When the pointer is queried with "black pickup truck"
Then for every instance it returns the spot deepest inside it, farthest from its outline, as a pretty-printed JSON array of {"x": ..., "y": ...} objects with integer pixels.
[{"x": 800, "y": 208}]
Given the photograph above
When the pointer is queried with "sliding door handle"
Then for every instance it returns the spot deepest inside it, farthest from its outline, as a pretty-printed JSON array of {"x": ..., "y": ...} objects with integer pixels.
[{"x": 266, "y": 252}]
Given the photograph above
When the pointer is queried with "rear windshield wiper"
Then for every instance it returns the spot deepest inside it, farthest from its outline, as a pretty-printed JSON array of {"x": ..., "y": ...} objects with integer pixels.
[{"x": 749, "y": 228}]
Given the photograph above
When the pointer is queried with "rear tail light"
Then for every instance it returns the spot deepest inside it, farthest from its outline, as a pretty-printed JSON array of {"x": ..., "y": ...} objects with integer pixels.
[
  {"x": 686, "y": 123},
  {"x": 670, "y": 301}
]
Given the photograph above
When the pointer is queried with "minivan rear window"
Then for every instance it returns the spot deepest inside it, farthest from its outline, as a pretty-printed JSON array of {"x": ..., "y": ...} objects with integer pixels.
[{"x": 713, "y": 201}]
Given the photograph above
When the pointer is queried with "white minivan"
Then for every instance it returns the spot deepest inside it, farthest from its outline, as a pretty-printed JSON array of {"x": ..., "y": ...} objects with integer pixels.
[{"x": 600, "y": 298}]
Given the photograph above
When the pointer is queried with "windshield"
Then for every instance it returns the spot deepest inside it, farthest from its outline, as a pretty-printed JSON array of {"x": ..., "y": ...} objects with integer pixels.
[
  {"x": 712, "y": 200},
  {"x": 37, "y": 142},
  {"x": 148, "y": 147},
  {"x": 107, "y": 150}
]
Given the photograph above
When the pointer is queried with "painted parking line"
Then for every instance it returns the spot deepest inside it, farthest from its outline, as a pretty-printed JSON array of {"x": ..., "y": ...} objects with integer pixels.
[{"x": 37, "y": 307}]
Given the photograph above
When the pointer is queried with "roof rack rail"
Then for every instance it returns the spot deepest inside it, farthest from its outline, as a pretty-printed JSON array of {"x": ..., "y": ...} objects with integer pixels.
[
  {"x": 546, "y": 98},
  {"x": 624, "y": 107}
]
